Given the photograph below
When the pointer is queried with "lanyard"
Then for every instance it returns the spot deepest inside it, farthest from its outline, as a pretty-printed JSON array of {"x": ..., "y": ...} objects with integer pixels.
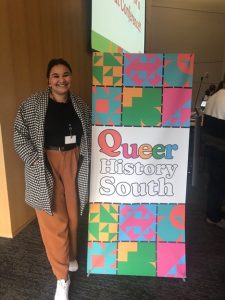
[{"x": 70, "y": 130}]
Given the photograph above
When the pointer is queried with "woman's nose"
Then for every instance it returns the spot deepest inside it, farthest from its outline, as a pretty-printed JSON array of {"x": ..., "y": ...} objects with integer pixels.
[{"x": 61, "y": 79}]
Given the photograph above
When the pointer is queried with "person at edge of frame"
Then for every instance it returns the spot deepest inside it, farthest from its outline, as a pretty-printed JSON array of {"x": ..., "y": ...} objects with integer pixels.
[{"x": 214, "y": 141}]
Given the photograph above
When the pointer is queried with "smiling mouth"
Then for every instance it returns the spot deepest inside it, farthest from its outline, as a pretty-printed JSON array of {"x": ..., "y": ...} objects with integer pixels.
[{"x": 62, "y": 85}]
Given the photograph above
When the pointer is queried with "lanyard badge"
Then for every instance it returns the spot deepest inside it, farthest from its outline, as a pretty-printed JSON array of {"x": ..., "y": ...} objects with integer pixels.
[{"x": 70, "y": 139}]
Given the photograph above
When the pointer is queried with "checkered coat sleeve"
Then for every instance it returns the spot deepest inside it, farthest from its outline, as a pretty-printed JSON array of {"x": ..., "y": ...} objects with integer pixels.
[{"x": 29, "y": 144}]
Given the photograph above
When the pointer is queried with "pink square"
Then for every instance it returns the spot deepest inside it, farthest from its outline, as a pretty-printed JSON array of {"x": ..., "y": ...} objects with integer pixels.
[
  {"x": 171, "y": 261},
  {"x": 102, "y": 106},
  {"x": 98, "y": 261}
]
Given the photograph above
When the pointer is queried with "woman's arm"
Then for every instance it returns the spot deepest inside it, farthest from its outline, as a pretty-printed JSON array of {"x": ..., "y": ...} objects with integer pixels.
[{"x": 24, "y": 146}]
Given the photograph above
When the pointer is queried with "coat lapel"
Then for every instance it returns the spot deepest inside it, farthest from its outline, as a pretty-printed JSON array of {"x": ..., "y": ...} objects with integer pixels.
[
  {"x": 78, "y": 111},
  {"x": 42, "y": 109}
]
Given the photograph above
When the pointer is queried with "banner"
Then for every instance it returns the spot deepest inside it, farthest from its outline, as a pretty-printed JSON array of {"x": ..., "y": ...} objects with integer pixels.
[{"x": 140, "y": 135}]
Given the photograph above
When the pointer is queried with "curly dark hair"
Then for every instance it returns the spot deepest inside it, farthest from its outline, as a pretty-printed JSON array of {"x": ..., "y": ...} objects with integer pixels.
[{"x": 57, "y": 61}]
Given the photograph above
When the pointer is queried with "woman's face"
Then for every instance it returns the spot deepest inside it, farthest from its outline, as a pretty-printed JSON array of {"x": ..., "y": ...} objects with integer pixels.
[{"x": 60, "y": 80}]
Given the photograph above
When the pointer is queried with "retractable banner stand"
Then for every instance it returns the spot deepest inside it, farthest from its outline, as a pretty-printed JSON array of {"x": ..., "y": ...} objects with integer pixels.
[{"x": 140, "y": 135}]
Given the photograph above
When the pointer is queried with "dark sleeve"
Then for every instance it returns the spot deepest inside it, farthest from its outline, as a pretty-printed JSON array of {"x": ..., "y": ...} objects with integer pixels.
[{"x": 214, "y": 126}]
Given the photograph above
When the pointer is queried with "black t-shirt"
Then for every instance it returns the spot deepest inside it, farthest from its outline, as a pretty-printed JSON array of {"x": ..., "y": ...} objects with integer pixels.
[{"x": 61, "y": 120}]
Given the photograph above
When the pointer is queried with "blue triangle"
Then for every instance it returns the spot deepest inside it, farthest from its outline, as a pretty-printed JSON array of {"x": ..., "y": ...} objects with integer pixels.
[
  {"x": 182, "y": 260},
  {"x": 177, "y": 114},
  {"x": 187, "y": 104},
  {"x": 186, "y": 124},
  {"x": 173, "y": 270}
]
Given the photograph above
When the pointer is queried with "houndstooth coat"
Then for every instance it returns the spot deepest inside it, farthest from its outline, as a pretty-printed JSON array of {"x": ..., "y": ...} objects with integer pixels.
[{"x": 29, "y": 144}]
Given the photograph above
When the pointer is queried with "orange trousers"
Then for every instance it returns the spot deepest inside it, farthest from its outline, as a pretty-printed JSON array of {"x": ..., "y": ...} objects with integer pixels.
[{"x": 59, "y": 231}]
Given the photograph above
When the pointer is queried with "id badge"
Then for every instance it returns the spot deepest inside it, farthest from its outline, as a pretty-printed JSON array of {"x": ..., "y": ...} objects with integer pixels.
[{"x": 70, "y": 139}]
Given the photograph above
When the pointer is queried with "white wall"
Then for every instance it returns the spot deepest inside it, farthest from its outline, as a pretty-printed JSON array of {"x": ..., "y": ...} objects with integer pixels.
[
  {"x": 192, "y": 26},
  {"x": 223, "y": 66}
]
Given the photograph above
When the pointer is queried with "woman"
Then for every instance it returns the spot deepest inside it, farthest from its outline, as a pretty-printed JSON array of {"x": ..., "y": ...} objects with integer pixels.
[{"x": 52, "y": 136}]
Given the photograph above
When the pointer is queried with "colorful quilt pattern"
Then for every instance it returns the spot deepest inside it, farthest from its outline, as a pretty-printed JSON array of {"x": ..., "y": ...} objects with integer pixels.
[
  {"x": 107, "y": 69},
  {"x": 152, "y": 90},
  {"x": 171, "y": 260},
  {"x": 141, "y": 106},
  {"x": 103, "y": 222},
  {"x": 137, "y": 222},
  {"x": 176, "y": 107},
  {"x": 107, "y": 105},
  {"x": 136, "y": 259},
  {"x": 102, "y": 258},
  {"x": 137, "y": 234},
  {"x": 178, "y": 70},
  {"x": 142, "y": 89},
  {"x": 143, "y": 70},
  {"x": 171, "y": 223}
]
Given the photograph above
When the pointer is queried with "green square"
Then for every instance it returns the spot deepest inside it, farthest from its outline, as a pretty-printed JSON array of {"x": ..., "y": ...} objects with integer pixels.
[
  {"x": 139, "y": 263},
  {"x": 145, "y": 110}
]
